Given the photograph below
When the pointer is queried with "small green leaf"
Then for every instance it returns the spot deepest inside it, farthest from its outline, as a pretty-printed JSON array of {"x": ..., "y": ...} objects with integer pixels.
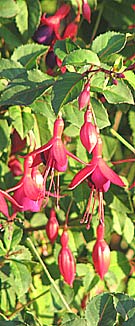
[
  {"x": 100, "y": 311},
  {"x": 10, "y": 69},
  {"x": 108, "y": 43},
  {"x": 119, "y": 265},
  {"x": 22, "y": 277},
  {"x": 130, "y": 77},
  {"x": 8, "y": 8},
  {"x": 4, "y": 135},
  {"x": 34, "y": 11},
  {"x": 81, "y": 57},
  {"x": 22, "y": 17},
  {"x": 22, "y": 121},
  {"x": 28, "y": 53},
  {"x": 64, "y": 47},
  {"x": 66, "y": 89},
  {"x": 100, "y": 113},
  {"x": 118, "y": 93}
]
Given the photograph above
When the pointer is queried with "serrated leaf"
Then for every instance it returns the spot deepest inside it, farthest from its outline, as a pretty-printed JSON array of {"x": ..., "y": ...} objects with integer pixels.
[
  {"x": 130, "y": 77},
  {"x": 81, "y": 57},
  {"x": 22, "y": 17},
  {"x": 43, "y": 107},
  {"x": 20, "y": 253},
  {"x": 118, "y": 93},
  {"x": 66, "y": 89},
  {"x": 100, "y": 311},
  {"x": 22, "y": 121},
  {"x": 8, "y": 8},
  {"x": 62, "y": 48},
  {"x": 34, "y": 10},
  {"x": 123, "y": 304},
  {"x": 10, "y": 69},
  {"x": 28, "y": 53},
  {"x": 22, "y": 277},
  {"x": 26, "y": 88},
  {"x": 108, "y": 43},
  {"x": 100, "y": 113}
]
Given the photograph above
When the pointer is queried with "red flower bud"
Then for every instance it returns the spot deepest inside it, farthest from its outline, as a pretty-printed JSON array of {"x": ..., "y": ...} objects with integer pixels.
[
  {"x": 84, "y": 97},
  {"x": 86, "y": 11},
  {"x": 88, "y": 134},
  {"x": 101, "y": 253},
  {"x": 66, "y": 261},
  {"x": 52, "y": 226}
]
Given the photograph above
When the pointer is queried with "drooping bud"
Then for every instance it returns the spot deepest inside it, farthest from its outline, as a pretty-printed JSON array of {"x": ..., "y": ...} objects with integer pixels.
[
  {"x": 86, "y": 11},
  {"x": 52, "y": 226},
  {"x": 66, "y": 260},
  {"x": 101, "y": 253},
  {"x": 84, "y": 97},
  {"x": 88, "y": 134},
  {"x": 50, "y": 59}
]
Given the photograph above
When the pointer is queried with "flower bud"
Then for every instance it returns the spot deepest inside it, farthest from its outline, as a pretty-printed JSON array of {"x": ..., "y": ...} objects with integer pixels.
[
  {"x": 66, "y": 261},
  {"x": 88, "y": 134},
  {"x": 101, "y": 253},
  {"x": 84, "y": 97},
  {"x": 86, "y": 11},
  {"x": 52, "y": 226},
  {"x": 50, "y": 59}
]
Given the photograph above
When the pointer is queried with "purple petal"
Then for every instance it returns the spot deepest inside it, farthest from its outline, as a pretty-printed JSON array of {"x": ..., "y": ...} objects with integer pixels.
[{"x": 82, "y": 175}]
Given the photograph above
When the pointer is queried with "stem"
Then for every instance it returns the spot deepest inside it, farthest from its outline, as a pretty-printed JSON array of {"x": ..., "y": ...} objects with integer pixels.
[
  {"x": 97, "y": 21},
  {"x": 48, "y": 274},
  {"x": 122, "y": 140}
]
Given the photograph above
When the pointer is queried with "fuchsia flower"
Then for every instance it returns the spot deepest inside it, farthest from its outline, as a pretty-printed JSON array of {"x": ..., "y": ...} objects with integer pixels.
[
  {"x": 29, "y": 192},
  {"x": 86, "y": 11},
  {"x": 101, "y": 253},
  {"x": 54, "y": 156},
  {"x": 4, "y": 207},
  {"x": 88, "y": 133},
  {"x": 52, "y": 226},
  {"x": 98, "y": 176},
  {"x": 15, "y": 166},
  {"x": 84, "y": 97},
  {"x": 66, "y": 260}
]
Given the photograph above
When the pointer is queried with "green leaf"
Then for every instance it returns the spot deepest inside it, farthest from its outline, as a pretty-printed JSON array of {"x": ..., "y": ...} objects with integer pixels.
[
  {"x": 66, "y": 89},
  {"x": 119, "y": 265},
  {"x": 10, "y": 69},
  {"x": 130, "y": 77},
  {"x": 4, "y": 135},
  {"x": 34, "y": 11},
  {"x": 121, "y": 200},
  {"x": 8, "y": 8},
  {"x": 100, "y": 311},
  {"x": 109, "y": 147},
  {"x": 22, "y": 121},
  {"x": 2, "y": 249},
  {"x": 11, "y": 35},
  {"x": 81, "y": 57},
  {"x": 22, "y": 278},
  {"x": 64, "y": 47},
  {"x": 128, "y": 231},
  {"x": 118, "y": 93},
  {"x": 108, "y": 43},
  {"x": 22, "y": 17},
  {"x": 123, "y": 304},
  {"x": 28, "y": 53},
  {"x": 44, "y": 108},
  {"x": 100, "y": 113},
  {"x": 132, "y": 124},
  {"x": 131, "y": 286},
  {"x": 20, "y": 253},
  {"x": 119, "y": 15},
  {"x": 26, "y": 88}
]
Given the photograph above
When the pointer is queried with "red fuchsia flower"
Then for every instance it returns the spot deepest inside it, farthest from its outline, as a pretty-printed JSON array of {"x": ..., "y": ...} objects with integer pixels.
[
  {"x": 55, "y": 20},
  {"x": 52, "y": 226},
  {"x": 84, "y": 97},
  {"x": 4, "y": 207},
  {"x": 66, "y": 260},
  {"x": 98, "y": 176},
  {"x": 101, "y": 253},
  {"x": 86, "y": 11},
  {"x": 88, "y": 133},
  {"x": 133, "y": 6},
  {"x": 44, "y": 35},
  {"x": 54, "y": 156},
  {"x": 15, "y": 166},
  {"x": 29, "y": 192}
]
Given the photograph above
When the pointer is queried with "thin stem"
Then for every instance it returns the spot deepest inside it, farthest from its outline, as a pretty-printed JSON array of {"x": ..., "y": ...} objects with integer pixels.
[
  {"x": 48, "y": 274},
  {"x": 97, "y": 21},
  {"x": 122, "y": 140}
]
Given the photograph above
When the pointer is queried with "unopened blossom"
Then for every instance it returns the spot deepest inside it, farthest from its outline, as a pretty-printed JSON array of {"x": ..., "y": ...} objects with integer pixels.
[
  {"x": 44, "y": 35},
  {"x": 4, "y": 207},
  {"x": 101, "y": 253},
  {"x": 86, "y": 10},
  {"x": 54, "y": 156},
  {"x": 98, "y": 176},
  {"x": 15, "y": 166},
  {"x": 84, "y": 97},
  {"x": 88, "y": 133},
  {"x": 66, "y": 260},
  {"x": 52, "y": 226},
  {"x": 29, "y": 192}
]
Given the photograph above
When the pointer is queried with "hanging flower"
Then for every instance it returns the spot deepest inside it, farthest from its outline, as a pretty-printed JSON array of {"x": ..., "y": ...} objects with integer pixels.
[
  {"x": 52, "y": 226},
  {"x": 98, "y": 176},
  {"x": 101, "y": 253},
  {"x": 66, "y": 260}
]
